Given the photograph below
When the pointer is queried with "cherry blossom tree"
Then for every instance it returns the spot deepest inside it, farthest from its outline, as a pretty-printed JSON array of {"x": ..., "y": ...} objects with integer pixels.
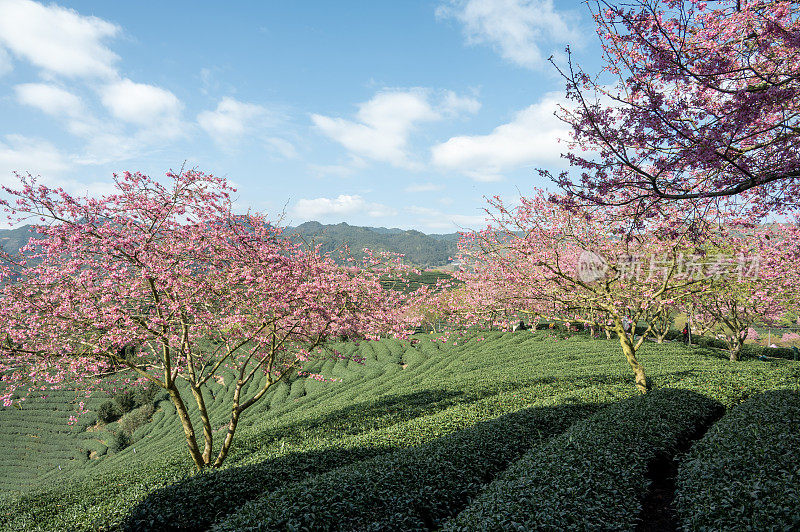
[
  {"x": 164, "y": 284},
  {"x": 586, "y": 266},
  {"x": 697, "y": 100},
  {"x": 660, "y": 321},
  {"x": 752, "y": 281}
]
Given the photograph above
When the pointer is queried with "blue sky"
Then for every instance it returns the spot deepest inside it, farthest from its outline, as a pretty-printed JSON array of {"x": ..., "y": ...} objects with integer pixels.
[{"x": 397, "y": 114}]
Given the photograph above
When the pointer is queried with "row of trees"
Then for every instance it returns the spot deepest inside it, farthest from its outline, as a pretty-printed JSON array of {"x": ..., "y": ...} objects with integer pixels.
[
  {"x": 682, "y": 147},
  {"x": 601, "y": 268},
  {"x": 160, "y": 285}
]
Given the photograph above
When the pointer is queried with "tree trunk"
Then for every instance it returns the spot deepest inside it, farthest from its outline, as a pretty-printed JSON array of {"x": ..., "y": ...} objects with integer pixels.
[
  {"x": 188, "y": 429},
  {"x": 226, "y": 444},
  {"x": 735, "y": 349},
  {"x": 235, "y": 413},
  {"x": 636, "y": 366},
  {"x": 208, "y": 436}
]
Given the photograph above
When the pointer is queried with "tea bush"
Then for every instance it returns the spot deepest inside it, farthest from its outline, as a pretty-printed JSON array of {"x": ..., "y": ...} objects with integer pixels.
[
  {"x": 126, "y": 400},
  {"x": 109, "y": 412},
  {"x": 744, "y": 474},
  {"x": 593, "y": 476},
  {"x": 410, "y": 489},
  {"x": 49, "y": 483}
]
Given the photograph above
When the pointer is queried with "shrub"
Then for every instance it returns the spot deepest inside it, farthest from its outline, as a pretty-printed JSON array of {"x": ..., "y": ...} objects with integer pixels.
[
  {"x": 744, "y": 473},
  {"x": 136, "y": 418},
  {"x": 790, "y": 337},
  {"x": 86, "y": 420},
  {"x": 414, "y": 488},
  {"x": 593, "y": 476},
  {"x": 92, "y": 445},
  {"x": 126, "y": 400},
  {"x": 196, "y": 502},
  {"x": 445, "y": 389},
  {"x": 149, "y": 394},
  {"x": 108, "y": 412},
  {"x": 705, "y": 341},
  {"x": 119, "y": 442}
]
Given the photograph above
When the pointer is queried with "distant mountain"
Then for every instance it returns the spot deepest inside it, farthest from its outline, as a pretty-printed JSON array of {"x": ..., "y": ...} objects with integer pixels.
[
  {"x": 13, "y": 239},
  {"x": 421, "y": 250},
  {"x": 445, "y": 237},
  {"x": 381, "y": 230}
]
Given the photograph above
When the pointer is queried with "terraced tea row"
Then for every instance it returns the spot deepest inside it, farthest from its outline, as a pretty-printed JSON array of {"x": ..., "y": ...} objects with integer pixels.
[{"x": 403, "y": 396}]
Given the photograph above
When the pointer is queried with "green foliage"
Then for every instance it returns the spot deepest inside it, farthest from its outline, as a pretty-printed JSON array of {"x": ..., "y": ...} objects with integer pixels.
[
  {"x": 414, "y": 281},
  {"x": 149, "y": 394},
  {"x": 594, "y": 475},
  {"x": 119, "y": 441},
  {"x": 109, "y": 412},
  {"x": 135, "y": 419},
  {"x": 418, "y": 248},
  {"x": 36, "y": 438},
  {"x": 379, "y": 408},
  {"x": 198, "y": 501},
  {"x": 126, "y": 400},
  {"x": 94, "y": 446},
  {"x": 410, "y": 489},
  {"x": 743, "y": 474},
  {"x": 748, "y": 350},
  {"x": 85, "y": 421}
]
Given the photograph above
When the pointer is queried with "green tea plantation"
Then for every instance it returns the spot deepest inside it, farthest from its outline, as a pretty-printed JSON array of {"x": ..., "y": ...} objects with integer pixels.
[{"x": 488, "y": 431}]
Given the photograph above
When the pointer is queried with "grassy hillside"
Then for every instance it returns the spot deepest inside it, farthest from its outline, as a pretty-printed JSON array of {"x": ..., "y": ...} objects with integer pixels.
[{"x": 483, "y": 394}]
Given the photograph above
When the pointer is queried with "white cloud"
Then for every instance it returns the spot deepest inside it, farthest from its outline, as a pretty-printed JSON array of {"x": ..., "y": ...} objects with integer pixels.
[
  {"x": 515, "y": 28},
  {"x": 49, "y": 98},
  {"x": 435, "y": 220},
  {"x": 5, "y": 62},
  {"x": 532, "y": 137},
  {"x": 384, "y": 124},
  {"x": 141, "y": 104},
  {"x": 342, "y": 205},
  {"x": 57, "y": 39},
  {"x": 339, "y": 170},
  {"x": 233, "y": 119},
  {"x": 383, "y": 127},
  {"x": 108, "y": 145},
  {"x": 112, "y": 141},
  {"x": 453, "y": 104},
  {"x": 106, "y": 140},
  {"x": 24, "y": 154},
  {"x": 424, "y": 187},
  {"x": 62, "y": 42},
  {"x": 282, "y": 147}
]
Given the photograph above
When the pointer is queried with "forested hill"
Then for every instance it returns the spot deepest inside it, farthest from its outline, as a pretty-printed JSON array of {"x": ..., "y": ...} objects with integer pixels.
[
  {"x": 420, "y": 249},
  {"x": 13, "y": 239}
]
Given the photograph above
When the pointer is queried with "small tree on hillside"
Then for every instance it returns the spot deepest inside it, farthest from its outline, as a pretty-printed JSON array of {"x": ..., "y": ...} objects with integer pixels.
[{"x": 166, "y": 284}]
